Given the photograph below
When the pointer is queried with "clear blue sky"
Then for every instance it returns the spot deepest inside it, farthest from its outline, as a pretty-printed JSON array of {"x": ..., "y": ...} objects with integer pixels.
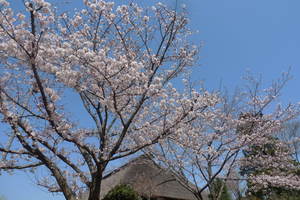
[{"x": 263, "y": 36}]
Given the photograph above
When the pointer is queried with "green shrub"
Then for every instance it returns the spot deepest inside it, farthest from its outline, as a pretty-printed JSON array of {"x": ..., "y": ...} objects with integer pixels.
[{"x": 121, "y": 192}]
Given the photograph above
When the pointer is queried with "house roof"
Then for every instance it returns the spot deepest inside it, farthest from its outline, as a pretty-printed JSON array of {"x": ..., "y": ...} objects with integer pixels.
[{"x": 148, "y": 179}]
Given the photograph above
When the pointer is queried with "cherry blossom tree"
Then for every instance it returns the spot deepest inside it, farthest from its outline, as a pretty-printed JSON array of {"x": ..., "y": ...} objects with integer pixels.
[
  {"x": 272, "y": 166},
  {"x": 212, "y": 146},
  {"x": 118, "y": 60}
]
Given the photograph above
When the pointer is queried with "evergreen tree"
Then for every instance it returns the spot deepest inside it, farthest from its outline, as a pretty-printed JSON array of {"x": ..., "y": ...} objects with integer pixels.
[
  {"x": 268, "y": 156},
  {"x": 217, "y": 185},
  {"x": 270, "y": 151}
]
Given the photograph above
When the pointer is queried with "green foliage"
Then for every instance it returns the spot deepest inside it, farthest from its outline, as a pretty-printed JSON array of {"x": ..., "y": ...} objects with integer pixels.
[
  {"x": 216, "y": 186},
  {"x": 2, "y": 198},
  {"x": 273, "y": 149},
  {"x": 268, "y": 149},
  {"x": 270, "y": 193},
  {"x": 275, "y": 194},
  {"x": 286, "y": 195},
  {"x": 121, "y": 192}
]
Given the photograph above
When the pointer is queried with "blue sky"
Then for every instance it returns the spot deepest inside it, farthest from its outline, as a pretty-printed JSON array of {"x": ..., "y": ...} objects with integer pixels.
[{"x": 262, "y": 36}]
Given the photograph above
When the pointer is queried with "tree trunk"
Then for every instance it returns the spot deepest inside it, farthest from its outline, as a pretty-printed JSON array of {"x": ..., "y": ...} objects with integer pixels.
[{"x": 95, "y": 187}]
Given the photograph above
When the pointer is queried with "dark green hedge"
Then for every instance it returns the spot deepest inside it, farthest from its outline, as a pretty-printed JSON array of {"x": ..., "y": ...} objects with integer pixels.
[{"x": 122, "y": 192}]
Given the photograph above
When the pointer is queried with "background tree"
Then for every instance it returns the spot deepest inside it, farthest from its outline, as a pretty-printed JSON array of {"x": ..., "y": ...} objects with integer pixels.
[
  {"x": 236, "y": 184},
  {"x": 269, "y": 159},
  {"x": 219, "y": 190},
  {"x": 213, "y": 146}
]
